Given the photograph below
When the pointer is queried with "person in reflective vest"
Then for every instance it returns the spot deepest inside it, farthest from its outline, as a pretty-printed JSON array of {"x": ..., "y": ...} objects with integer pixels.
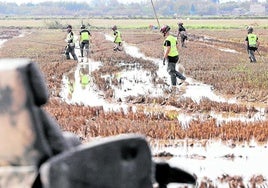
[
  {"x": 171, "y": 54},
  {"x": 117, "y": 39},
  {"x": 69, "y": 49},
  {"x": 84, "y": 40},
  {"x": 252, "y": 44}
]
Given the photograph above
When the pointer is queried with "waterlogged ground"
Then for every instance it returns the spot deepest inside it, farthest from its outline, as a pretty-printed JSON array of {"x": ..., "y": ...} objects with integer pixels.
[
  {"x": 215, "y": 125},
  {"x": 212, "y": 159}
]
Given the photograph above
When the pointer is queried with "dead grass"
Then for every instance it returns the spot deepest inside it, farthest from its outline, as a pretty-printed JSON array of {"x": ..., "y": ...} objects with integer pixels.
[{"x": 246, "y": 82}]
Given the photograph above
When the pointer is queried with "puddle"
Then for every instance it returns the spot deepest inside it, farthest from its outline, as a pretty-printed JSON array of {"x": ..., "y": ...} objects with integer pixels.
[
  {"x": 209, "y": 39},
  {"x": 213, "y": 160},
  {"x": 229, "y": 50},
  {"x": 217, "y": 159},
  {"x": 134, "y": 81},
  {"x": 204, "y": 91},
  {"x": 2, "y": 42}
]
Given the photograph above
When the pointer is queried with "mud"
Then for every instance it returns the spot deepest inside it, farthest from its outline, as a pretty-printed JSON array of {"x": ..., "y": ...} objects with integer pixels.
[{"x": 155, "y": 117}]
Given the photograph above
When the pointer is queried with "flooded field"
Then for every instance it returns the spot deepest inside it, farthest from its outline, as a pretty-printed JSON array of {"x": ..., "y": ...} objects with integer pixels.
[{"x": 214, "y": 125}]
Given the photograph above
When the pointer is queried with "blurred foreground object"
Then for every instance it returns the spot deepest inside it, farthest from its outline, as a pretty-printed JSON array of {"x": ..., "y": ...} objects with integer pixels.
[
  {"x": 21, "y": 140},
  {"x": 112, "y": 162},
  {"x": 28, "y": 136},
  {"x": 33, "y": 146}
]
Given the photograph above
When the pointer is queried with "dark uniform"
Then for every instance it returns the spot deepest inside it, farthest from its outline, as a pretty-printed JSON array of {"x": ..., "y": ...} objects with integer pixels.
[{"x": 182, "y": 34}]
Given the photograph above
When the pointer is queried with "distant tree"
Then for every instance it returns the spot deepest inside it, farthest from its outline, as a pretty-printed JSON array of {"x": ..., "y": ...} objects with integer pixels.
[
  {"x": 228, "y": 7},
  {"x": 112, "y": 8},
  {"x": 215, "y": 1},
  {"x": 112, "y": 3},
  {"x": 29, "y": 5},
  {"x": 8, "y": 8},
  {"x": 192, "y": 11}
]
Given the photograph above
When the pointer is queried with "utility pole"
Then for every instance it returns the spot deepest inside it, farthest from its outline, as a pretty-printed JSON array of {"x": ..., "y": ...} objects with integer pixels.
[{"x": 155, "y": 14}]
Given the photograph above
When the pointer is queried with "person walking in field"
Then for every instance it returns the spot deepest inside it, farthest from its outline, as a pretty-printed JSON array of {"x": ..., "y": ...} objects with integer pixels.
[
  {"x": 252, "y": 44},
  {"x": 182, "y": 34},
  {"x": 117, "y": 39},
  {"x": 69, "y": 49},
  {"x": 84, "y": 41},
  {"x": 171, "y": 54}
]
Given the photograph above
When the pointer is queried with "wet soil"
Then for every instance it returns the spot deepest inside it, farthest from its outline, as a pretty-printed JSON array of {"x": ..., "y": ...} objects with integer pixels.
[{"x": 202, "y": 61}]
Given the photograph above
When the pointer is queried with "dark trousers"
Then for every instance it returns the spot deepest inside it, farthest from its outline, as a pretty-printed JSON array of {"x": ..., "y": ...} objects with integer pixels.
[
  {"x": 84, "y": 45},
  {"x": 251, "y": 55},
  {"x": 70, "y": 50},
  {"x": 171, "y": 69},
  {"x": 183, "y": 38}
]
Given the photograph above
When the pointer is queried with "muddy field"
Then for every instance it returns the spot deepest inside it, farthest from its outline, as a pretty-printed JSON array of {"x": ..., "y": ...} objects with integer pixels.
[{"x": 214, "y": 57}]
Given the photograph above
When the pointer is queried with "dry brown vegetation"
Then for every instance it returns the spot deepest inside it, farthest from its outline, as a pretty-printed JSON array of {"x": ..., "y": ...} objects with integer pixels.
[
  {"x": 231, "y": 75},
  {"x": 202, "y": 60}
]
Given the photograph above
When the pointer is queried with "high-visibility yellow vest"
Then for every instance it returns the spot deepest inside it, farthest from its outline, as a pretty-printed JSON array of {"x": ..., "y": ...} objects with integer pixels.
[
  {"x": 84, "y": 35},
  {"x": 252, "y": 40},
  {"x": 118, "y": 37},
  {"x": 173, "y": 46}
]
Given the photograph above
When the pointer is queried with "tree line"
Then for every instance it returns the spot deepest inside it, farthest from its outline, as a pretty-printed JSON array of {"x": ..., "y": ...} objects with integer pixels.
[{"x": 112, "y": 8}]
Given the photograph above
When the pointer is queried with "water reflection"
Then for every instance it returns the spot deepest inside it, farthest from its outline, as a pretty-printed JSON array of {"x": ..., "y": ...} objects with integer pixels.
[
  {"x": 206, "y": 158},
  {"x": 132, "y": 80}
]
